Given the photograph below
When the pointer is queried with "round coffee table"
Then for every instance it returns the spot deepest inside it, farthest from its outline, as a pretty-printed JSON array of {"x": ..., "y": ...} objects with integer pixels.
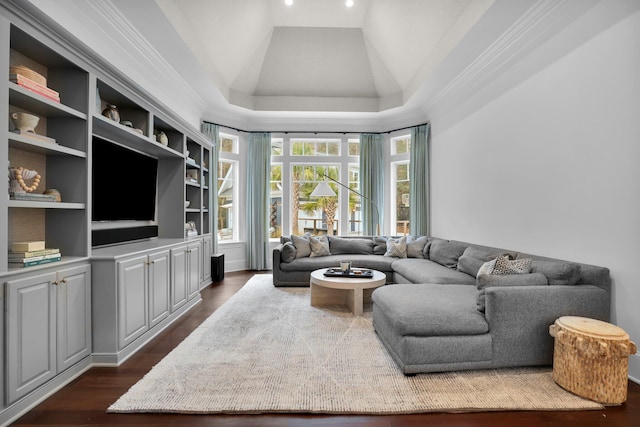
[{"x": 350, "y": 291}]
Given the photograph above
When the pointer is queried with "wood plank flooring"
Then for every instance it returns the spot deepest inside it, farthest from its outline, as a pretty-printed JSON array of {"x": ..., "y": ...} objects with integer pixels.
[{"x": 84, "y": 401}]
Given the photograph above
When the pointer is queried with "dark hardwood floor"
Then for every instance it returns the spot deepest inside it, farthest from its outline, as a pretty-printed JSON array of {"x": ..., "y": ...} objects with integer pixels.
[{"x": 84, "y": 401}]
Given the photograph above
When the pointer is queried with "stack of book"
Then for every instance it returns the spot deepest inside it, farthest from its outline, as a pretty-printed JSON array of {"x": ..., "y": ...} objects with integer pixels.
[
  {"x": 34, "y": 86},
  {"x": 28, "y": 254},
  {"x": 33, "y": 197}
]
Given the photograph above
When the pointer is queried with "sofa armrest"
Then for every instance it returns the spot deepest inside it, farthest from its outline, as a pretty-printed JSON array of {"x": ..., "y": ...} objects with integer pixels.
[
  {"x": 519, "y": 318},
  {"x": 276, "y": 260}
]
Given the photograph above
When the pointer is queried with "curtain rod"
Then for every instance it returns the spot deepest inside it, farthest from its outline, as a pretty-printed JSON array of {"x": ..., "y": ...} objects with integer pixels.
[{"x": 314, "y": 132}]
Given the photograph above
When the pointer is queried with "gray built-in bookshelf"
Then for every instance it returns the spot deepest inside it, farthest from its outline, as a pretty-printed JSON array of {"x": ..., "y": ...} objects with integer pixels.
[{"x": 62, "y": 311}]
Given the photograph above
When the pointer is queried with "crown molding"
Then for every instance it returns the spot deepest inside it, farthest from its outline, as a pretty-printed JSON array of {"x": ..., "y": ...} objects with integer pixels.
[{"x": 125, "y": 35}]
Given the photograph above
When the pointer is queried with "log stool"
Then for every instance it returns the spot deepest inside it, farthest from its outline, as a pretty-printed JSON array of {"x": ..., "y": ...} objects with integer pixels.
[{"x": 590, "y": 358}]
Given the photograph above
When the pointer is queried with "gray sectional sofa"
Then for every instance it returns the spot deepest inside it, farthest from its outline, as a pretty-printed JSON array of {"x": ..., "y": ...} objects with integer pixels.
[{"x": 443, "y": 313}]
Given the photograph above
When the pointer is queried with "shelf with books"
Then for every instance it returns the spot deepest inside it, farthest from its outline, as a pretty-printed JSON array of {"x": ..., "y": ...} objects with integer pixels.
[
  {"x": 40, "y": 71},
  {"x": 40, "y": 105}
]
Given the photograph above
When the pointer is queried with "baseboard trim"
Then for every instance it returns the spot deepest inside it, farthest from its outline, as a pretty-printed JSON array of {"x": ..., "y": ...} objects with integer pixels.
[
  {"x": 116, "y": 359},
  {"x": 27, "y": 403},
  {"x": 634, "y": 368}
]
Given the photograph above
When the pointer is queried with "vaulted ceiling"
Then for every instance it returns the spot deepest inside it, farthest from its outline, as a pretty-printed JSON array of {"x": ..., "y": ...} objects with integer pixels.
[
  {"x": 266, "y": 55},
  {"x": 318, "y": 65}
]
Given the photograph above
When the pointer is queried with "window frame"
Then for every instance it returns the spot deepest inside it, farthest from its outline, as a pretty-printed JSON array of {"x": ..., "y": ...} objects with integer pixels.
[{"x": 234, "y": 159}]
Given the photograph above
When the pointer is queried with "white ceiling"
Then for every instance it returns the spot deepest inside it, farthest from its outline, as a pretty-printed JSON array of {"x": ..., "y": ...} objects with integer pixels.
[
  {"x": 259, "y": 65},
  {"x": 369, "y": 57}
]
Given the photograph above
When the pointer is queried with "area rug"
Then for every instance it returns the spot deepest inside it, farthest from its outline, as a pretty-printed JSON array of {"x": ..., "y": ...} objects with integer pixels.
[{"x": 267, "y": 350}]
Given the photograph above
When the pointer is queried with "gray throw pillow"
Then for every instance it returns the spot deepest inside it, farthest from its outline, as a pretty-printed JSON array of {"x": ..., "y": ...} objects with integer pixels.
[
  {"x": 303, "y": 247},
  {"x": 351, "y": 245},
  {"x": 396, "y": 248},
  {"x": 558, "y": 272},
  {"x": 484, "y": 281},
  {"x": 285, "y": 239},
  {"x": 446, "y": 253},
  {"x": 379, "y": 245},
  {"x": 415, "y": 246},
  {"x": 319, "y": 246},
  {"x": 473, "y": 258},
  {"x": 288, "y": 252}
]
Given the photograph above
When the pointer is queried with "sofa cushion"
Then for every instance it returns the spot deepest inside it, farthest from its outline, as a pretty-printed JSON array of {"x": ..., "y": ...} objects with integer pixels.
[
  {"x": 558, "y": 272},
  {"x": 375, "y": 262},
  {"x": 379, "y": 245},
  {"x": 303, "y": 247},
  {"x": 484, "y": 281},
  {"x": 319, "y": 246},
  {"x": 430, "y": 310},
  {"x": 288, "y": 252},
  {"x": 415, "y": 246},
  {"x": 426, "y": 271},
  {"x": 396, "y": 248},
  {"x": 472, "y": 259},
  {"x": 446, "y": 253},
  {"x": 351, "y": 245}
]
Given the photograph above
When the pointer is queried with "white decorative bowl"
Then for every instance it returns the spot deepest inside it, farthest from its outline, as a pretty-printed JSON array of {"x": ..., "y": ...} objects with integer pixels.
[{"x": 25, "y": 122}]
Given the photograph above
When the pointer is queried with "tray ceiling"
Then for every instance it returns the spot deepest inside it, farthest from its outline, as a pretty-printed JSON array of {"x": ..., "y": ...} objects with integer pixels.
[{"x": 264, "y": 55}]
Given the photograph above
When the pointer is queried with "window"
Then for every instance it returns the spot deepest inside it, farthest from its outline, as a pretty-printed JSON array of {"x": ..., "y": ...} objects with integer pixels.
[
  {"x": 355, "y": 201},
  {"x": 315, "y": 147},
  {"x": 316, "y": 215},
  {"x": 227, "y": 188},
  {"x": 275, "y": 202},
  {"x": 228, "y": 144},
  {"x": 298, "y": 165},
  {"x": 400, "y": 147},
  {"x": 354, "y": 147}
]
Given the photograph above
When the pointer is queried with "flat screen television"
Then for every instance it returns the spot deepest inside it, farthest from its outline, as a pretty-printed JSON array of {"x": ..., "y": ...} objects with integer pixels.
[{"x": 124, "y": 183}]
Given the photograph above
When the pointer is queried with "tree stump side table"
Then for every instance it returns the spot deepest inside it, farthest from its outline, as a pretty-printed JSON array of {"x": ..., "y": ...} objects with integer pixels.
[{"x": 591, "y": 358}]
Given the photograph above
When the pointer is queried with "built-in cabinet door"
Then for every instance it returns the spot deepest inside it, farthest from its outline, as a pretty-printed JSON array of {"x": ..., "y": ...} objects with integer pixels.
[
  {"x": 159, "y": 279},
  {"x": 194, "y": 271},
  {"x": 207, "y": 250},
  {"x": 31, "y": 333},
  {"x": 132, "y": 300},
  {"x": 73, "y": 296},
  {"x": 178, "y": 277}
]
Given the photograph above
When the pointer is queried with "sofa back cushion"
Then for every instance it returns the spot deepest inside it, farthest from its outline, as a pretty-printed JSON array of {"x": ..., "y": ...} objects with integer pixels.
[
  {"x": 558, "y": 272},
  {"x": 379, "y": 245},
  {"x": 446, "y": 252},
  {"x": 350, "y": 245},
  {"x": 415, "y": 246},
  {"x": 473, "y": 257}
]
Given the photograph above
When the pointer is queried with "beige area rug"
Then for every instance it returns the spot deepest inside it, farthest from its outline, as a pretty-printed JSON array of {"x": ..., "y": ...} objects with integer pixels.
[{"x": 267, "y": 350}]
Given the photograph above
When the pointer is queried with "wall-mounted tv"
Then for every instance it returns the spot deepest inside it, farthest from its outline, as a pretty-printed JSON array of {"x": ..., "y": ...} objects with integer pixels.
[{"x": 124, "y": 183}]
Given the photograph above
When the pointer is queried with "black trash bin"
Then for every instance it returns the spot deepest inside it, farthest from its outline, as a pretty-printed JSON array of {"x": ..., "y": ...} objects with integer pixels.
[{"x": 217, "y": 267}]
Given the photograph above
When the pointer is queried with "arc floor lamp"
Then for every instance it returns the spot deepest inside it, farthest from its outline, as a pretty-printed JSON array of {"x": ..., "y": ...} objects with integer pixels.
[{"x": 324, "y": 190}]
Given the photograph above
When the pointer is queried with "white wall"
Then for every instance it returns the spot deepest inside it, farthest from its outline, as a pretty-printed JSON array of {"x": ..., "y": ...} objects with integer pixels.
[{"x": 551, "y": 167}]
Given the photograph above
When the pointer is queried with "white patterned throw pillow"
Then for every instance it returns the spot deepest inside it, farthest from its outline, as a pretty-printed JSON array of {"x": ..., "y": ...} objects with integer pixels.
[
  {"x": 319, "y": 246},
  {"x": 503, "y": 265},
  {"x": 396, "y": 247}
]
